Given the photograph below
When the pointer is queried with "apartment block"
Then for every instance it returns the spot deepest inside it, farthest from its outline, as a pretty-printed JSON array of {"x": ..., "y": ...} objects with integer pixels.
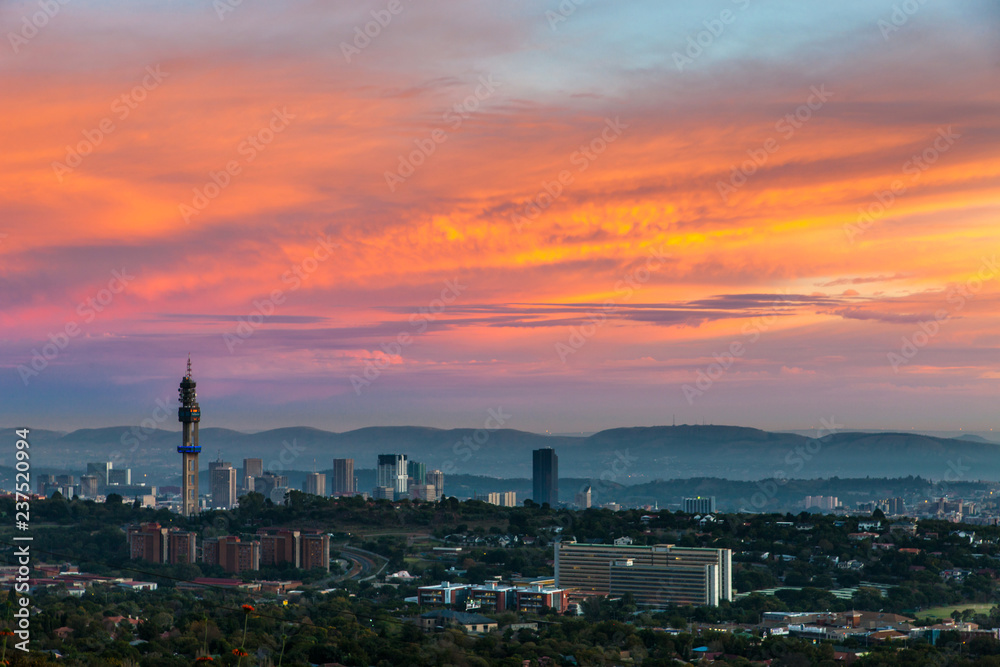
[
  {"x": 156, "y": 544},
  {"x": 280, "y": 546},
  {"x": 181, "y": 547},
  {"x": 315, "y": 551},
  {"x": 233, "y": 555},
  {"x": 700, "y": 505}
]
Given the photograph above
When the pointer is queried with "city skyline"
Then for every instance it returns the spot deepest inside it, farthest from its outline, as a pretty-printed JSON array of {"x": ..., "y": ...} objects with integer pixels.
[{"x": 574, "y": 331}]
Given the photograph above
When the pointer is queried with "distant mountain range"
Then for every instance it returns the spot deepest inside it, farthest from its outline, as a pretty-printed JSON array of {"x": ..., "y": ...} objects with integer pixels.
[{"x": 624, "y": 456}]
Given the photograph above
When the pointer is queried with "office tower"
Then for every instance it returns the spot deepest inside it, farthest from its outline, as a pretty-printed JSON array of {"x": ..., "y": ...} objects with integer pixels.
[
  {"x": 700, "y": 505},
  {"x": 343, "y": 477},
  {"x": 222, "y": 478},
  {"x": 436, "y": 478},
  {"x": 251, "y": 468},
  {"x": 88, "y": 486},
  {"x": 233, "y": 555},
  {"x": 392, "y": 472},
  {"x": 102, "y": 471},
  {"x": 316, "y": 551},
  {"x": 65, "y": 480},
  {"x": 189, "y": 414},
  {"x": 583, "y": 498},
  {"x": 545, "y": 476},
  {"x": 316, "y": 484},
  {"x": 120, "y": 476},
  {"x": 417, "y": 472},
  {"x": 280, "y": 546},
  {"x": 655, "y": 575},
  {"x": 383, "y": 493}
]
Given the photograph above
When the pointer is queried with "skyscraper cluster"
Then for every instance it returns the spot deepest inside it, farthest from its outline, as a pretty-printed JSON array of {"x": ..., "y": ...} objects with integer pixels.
[{"x": 398, "y": 478}]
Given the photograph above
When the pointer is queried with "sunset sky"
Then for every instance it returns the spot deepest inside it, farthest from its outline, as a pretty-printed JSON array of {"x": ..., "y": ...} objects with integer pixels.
[{"x": 393, "y": 206}]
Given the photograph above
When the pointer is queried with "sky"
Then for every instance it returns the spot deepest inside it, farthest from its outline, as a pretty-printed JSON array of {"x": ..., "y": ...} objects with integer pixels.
[{"x": 584, "y": 214}]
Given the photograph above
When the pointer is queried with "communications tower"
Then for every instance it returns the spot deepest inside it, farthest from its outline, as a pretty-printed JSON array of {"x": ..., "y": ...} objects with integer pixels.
[{"x": 189, "y": 414}]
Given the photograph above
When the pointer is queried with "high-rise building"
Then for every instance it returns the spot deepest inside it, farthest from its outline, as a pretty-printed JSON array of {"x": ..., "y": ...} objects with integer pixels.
[
  {"x": 383, "y": 493},
  {"x": 102, "y": 471},
  {"x": 316, "y": 484},
  {"x": 343, "y": 478},
  {"x": 251, "y": 468},
  {"x": 508, "y": 499},
  {"x": 895, "y": 506},
  {"x": 655, "y": 575},
  {"x": 89, "y": 486},
  {"x": 222, "y": 478},
  {"x": 583, "y": 498},
  {"x": 436, "y": 478},
  {"x": 417, "y": 472},
  {"x": 700, "y": 505},
  {"x": 120, "y": 476},
  {"x": 315, "y": 551},
  {"x": 545, "y": 476},
  {"x": 65, "y": 480},
  {"x": 189, "y": 414},
  {"x": 392, "y": 471},
  {"x": 826, "y": 503}
]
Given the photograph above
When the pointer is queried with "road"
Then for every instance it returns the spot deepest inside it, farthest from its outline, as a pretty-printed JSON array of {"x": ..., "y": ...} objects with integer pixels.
[{"x": 363, "y": 564}]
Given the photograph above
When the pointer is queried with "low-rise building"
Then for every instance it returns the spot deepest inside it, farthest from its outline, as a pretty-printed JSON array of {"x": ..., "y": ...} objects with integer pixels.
[
  {"x": 442, "y": 594},
  {"x": 536, "y": 599},
  {"x": 493, "y": 596},
  {"x": 444, "y": 618}
]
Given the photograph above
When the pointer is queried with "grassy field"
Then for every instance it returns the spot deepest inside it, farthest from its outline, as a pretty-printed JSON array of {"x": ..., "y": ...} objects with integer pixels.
[{"x": 945, "y": 612}]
